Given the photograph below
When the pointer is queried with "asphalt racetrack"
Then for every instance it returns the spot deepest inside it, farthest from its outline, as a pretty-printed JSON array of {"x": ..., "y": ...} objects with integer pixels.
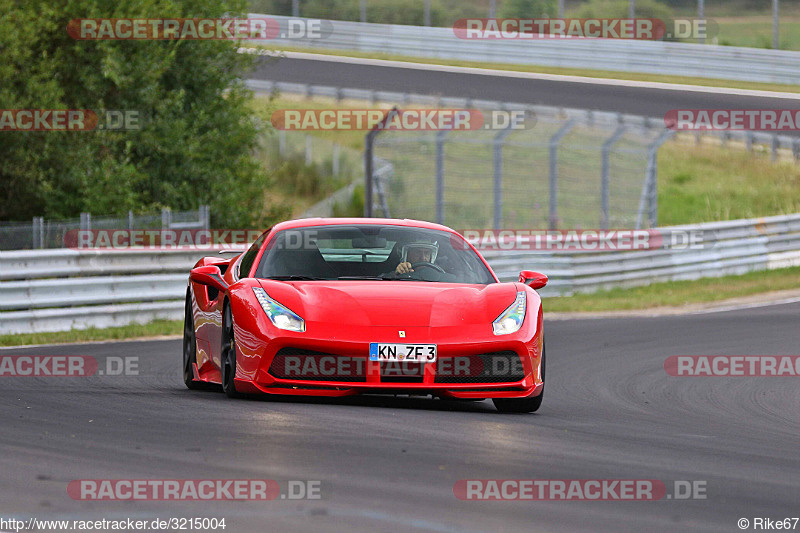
[
  {"x": 390, "y": 463},
  {"x": 609, "y": 95}
]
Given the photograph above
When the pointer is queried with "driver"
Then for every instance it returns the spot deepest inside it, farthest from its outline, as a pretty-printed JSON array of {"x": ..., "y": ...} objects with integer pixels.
[{"x": 416, "y": 252}]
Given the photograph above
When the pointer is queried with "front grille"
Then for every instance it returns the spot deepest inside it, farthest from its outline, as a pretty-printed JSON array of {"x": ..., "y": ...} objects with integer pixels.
[
  {"x": 301, "y": 364},
  {"x": 402, "y": 372},
  {"x": 495, "y": 367}
]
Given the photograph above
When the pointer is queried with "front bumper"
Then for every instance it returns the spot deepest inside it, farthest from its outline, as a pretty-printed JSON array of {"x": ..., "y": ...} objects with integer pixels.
[{"x": 337, "y": 364}]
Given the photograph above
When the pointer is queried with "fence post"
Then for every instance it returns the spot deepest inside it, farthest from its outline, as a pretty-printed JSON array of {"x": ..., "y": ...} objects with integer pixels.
[
  {"x": 335, "y": 160},
  {"x": 649, "y": 195},
  {"x": 748, "y": 140},
  {"x": 166, "y": 218},
  {"x": 774, "y": 142},
  {"x": 497, "y": 219},
  {"x": 369, "y": 163},
  {"x": 369, "y": 139},
  {"x": 282, "y": 143},
  {"x": 130, "y": 220},
  {"x": 554, "y": 140},
  {"x": 604, "y": 180},
  {"x": 379, "y": 180},
  {"x": 38, "y": 233},
  {"x": 440, "y": 175},
  {"x": 205, "y": 216},
  {"x": 701, "y": 14},
  {"x": 309, "y": 152},
  {"x": 86, "y": 221},
  {"x": 796, "y": 149}
]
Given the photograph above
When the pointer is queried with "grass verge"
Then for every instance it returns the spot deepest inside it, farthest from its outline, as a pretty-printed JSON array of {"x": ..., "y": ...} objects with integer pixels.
[
  {"x": 157, "y": 328},
  {"x": 708, "y": 182},
  {"x": 678, "y": 293}
]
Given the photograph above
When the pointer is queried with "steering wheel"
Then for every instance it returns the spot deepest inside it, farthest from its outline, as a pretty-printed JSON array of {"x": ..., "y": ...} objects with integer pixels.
[{"x": 425, "y": 264}]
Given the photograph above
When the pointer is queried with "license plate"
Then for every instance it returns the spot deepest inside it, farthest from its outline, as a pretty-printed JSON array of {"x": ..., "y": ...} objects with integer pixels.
[{"x": 415, "y": 353}]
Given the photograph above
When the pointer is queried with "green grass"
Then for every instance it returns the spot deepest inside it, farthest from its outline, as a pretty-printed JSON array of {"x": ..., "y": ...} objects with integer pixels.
[
  {"x": 157, "y": 328},
  {"x": 606, "y": 74},
  {"x": 710, "y": 183},
  {"x": 756, "y": 31},
  {"x": 677, "y": 293}
]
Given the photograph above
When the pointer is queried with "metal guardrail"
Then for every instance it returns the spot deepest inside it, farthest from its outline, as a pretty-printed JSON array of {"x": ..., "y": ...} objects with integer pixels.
[
  {"x": 652, "y": 57},
  {"x": 730, "y": 247},
  {"x": 57, "y": 290},
  {"x": 63, "y": 289}
]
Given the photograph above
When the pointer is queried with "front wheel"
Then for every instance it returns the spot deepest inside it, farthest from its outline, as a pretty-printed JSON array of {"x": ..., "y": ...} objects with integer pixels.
[
  {"x": 228, "y": 355},
  {"x": 189, "y": 347},
  {"x": 521, "y": 405}
]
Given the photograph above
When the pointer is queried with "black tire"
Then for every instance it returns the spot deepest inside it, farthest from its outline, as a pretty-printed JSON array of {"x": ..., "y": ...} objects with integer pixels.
[
  {"x": 189, "y": 347},
  {"x": 522, "y": 405},
  {"x": 228, "y": 354}
]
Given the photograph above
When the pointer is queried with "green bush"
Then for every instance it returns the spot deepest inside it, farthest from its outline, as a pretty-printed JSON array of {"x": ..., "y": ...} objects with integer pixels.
[
  {"x": 528, "y": 9},
  {"x": 619, "y": 9},
  {"x": 381, "y": 11},
  {"x": 197, "y": 137},
  {"x": 354, "y": 208}
]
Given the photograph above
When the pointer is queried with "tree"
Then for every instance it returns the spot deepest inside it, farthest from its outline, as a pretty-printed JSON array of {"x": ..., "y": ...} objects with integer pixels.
[
  {"x": 528, "y": 9},
  {"x": 197, "y": 134}
]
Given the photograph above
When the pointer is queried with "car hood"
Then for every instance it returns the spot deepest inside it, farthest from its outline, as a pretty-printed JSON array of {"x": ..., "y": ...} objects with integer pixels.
[{"x": 393, "y": 303}]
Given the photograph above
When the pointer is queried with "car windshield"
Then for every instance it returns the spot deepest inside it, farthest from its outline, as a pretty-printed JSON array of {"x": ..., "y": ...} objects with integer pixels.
[{"x": 371, "y": 252}]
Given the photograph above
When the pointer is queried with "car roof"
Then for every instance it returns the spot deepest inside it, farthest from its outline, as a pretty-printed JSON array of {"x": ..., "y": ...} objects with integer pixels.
[{"x": 311, "y": 222}]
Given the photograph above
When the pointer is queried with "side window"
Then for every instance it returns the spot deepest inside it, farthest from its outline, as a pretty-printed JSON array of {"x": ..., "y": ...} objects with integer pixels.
[{"x": 247, "y": 260}]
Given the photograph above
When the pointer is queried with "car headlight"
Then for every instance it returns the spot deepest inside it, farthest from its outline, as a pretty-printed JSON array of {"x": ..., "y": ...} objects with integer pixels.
[
  {"x": 280, "y": 316},
  {"x": 511, "y": 319}
]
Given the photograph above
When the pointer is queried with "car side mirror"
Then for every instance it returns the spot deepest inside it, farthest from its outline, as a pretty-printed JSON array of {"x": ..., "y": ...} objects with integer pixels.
[
  {"x": 535, "y": 280},
  {"x": 208, "y": 275}
]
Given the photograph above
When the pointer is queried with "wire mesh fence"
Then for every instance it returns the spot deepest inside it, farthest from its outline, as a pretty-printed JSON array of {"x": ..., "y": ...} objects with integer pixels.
[
  {"x": 600, "y": 171},
  {"x": 332, "y": 158},
  {"x": 562, "y": 172},
  {"x": 42, "y": 234}
]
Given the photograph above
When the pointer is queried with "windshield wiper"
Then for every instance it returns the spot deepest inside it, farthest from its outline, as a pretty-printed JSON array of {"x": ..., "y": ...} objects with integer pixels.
[
  {"x": 295, "y": 277},
  {"x": 377, "y": 278}
]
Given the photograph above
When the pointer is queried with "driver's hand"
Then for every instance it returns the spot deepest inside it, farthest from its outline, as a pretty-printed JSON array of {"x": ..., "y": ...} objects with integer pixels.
[{"x": 404, "y": 268}]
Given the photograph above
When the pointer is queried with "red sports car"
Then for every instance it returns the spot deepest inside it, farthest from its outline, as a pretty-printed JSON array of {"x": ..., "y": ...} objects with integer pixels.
[{"x": 333, "y": 307}]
